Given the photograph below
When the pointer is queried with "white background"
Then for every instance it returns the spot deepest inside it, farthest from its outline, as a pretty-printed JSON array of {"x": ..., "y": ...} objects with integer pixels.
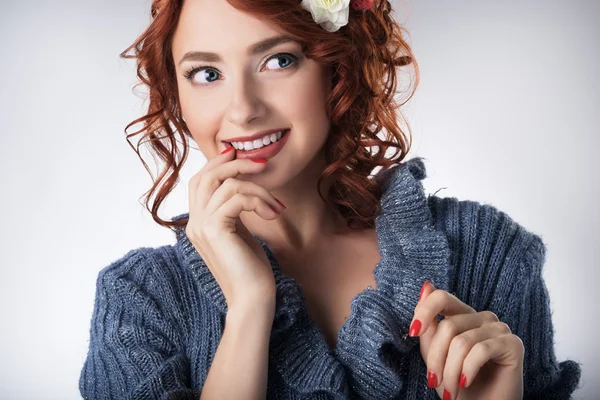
[{"x": 507, "y": 113}]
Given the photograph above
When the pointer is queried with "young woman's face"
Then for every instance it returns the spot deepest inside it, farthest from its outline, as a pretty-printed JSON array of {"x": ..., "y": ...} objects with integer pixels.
[{"x": 239, "y": 92}]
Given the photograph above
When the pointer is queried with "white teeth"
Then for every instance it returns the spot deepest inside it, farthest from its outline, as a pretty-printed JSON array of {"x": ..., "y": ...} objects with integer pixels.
[{"x": 258, "y": 143}]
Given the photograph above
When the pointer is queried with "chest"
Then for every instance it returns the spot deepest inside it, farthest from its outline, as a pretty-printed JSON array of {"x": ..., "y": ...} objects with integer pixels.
[{"x": 331, "y": 278}]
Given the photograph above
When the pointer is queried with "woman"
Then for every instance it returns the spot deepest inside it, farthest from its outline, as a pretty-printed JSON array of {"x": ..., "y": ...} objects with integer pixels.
[{"x": 337, "y": 293}]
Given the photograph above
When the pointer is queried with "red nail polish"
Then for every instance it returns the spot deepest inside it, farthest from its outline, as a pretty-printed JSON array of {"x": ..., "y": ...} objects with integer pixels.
[
  {"x": 431, "y": 379},
  {"x": 415, "y": 327},
  {"x": 447, "y": 395},
  {"x": 226, "y": 150},
  {"x": 463, "y": 381},
  {"x": 282, "y": 205},
  {"x": 423, "y": 289}
]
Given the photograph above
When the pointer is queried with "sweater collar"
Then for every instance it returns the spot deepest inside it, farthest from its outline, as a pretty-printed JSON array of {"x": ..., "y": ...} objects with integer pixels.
[{"x": 412, "y": 251}]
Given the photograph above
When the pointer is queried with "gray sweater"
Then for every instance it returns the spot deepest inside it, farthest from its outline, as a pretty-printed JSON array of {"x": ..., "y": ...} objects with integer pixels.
[{"x": 159, "y": 314}]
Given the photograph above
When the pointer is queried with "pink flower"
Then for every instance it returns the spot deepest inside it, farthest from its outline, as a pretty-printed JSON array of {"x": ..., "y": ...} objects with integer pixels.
[{"x": 361, "y": 5}]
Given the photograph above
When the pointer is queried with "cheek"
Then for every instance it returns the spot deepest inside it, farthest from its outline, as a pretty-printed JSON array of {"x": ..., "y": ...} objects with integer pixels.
[
  {"x": 200, "y": 118},
  {"x": 305, "y": 108},
  {"x": 304, "y": 100}
]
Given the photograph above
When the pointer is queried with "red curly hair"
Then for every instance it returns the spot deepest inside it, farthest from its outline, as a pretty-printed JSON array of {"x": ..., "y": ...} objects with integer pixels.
[{"x": 363, "y": 55}]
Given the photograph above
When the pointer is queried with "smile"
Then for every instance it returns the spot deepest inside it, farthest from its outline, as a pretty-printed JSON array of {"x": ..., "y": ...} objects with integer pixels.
[{"x": 268, "y": 151}]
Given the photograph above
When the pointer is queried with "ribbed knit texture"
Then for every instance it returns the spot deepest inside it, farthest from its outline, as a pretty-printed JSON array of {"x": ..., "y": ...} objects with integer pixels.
[{"x": 159, "y": 314}]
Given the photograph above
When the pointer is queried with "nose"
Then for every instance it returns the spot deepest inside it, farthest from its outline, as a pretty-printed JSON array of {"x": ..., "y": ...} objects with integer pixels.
[{"x": 245, "y": 104}]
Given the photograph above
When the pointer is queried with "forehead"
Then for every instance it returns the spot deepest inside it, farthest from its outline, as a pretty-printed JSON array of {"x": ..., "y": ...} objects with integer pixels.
[{"x": 216, "y": 26}]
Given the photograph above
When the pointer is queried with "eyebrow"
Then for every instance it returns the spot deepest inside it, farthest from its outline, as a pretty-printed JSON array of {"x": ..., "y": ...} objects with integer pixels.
[{"x": 254, "y": 49}]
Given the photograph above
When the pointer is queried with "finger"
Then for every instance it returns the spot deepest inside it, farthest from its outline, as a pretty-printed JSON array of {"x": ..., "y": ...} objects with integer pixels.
[
  {"x": 452, "y": 329},
  {"x": 231, "y": 186},
  {"x": 416, "y": 326},
  {"x": 460, "y": 345},
  {"x": 426, "y": 289},
  {"x": 506, "y": 349},
  {"x": 225, "y": 217},
  {"x": 207, "y": 182},
  {"x": 425, "y": 339},
  {"x": 437, "y": 302},
  {"x": 227, "y": 155}
]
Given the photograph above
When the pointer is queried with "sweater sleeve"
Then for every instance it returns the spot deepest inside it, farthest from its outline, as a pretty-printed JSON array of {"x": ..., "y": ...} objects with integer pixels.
[
  {"x": 497, "y": 266},
  {"x": 135, "y": 350},
  {"x": 544, "y": 376}
]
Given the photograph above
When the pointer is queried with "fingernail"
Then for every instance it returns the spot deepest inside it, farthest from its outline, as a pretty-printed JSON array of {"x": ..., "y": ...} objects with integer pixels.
[
  {"x": 282, "y": 205},
  {"x": 423, "y": 289},
  {"x": 463, "y": 381},
  {"x": 415, "y": 327},
  {"x": 226, "y": 150},
  {"x": 259, "y": 160},
  {"x": 431, "y": 379},
  {"x": 447, "y": 395}
]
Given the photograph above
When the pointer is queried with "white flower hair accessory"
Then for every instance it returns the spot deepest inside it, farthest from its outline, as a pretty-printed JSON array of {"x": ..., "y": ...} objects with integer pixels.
[
  {"x": 333, "y": 14},
  {"x": 330, "y": 14}
]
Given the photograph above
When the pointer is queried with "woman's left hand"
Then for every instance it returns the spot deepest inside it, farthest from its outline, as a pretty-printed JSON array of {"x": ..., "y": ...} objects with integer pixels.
[{"x": 471, "y": 345}]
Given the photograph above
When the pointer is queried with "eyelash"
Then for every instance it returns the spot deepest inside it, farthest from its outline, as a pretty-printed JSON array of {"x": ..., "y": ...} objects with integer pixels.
[{"x": 190, "y": 73}]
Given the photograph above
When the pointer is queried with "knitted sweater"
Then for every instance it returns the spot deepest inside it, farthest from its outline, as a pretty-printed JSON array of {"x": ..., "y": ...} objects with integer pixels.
[{"x": 159, "y": 314}]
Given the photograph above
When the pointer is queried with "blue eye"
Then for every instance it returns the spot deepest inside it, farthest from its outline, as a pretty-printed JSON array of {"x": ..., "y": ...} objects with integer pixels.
[
  {"x": 212, "y": 72},
  {"x": 192, "y": 73},
  {"x": 279, "y": 57}
]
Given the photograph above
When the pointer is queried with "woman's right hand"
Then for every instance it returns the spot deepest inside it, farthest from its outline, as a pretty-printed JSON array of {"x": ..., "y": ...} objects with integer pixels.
[{"x": 236, "y": 260}]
